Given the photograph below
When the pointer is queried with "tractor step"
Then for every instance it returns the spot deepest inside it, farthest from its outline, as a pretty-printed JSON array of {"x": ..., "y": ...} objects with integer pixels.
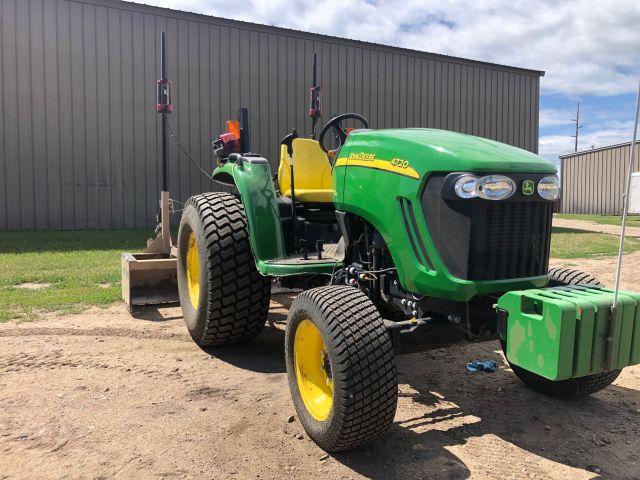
[
  {"x": 571, "y": 331},
  {"x": 291, "y": 265},
  {"x": 300, "y": 260}
]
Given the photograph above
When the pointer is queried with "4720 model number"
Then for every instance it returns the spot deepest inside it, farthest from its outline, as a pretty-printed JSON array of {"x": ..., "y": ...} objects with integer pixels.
[{"x": 398, "y": 162}]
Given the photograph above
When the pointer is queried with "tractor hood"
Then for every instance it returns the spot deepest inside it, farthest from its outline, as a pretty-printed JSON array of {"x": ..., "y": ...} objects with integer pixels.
[
  {"x": 449, "y": 248},
  {"x": 429, "y": 150}
]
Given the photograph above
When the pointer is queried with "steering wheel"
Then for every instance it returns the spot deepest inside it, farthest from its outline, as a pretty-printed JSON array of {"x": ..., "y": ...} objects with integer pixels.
[{"x": 340, "y": 133}]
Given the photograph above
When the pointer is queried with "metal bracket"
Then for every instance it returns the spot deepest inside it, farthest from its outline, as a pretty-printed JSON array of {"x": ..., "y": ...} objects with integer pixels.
[{"x": 611, "y": 331}]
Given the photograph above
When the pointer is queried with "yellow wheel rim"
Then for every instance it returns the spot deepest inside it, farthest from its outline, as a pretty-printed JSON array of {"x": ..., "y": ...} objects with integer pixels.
[
  {"x": 313, "y": 371},
  {"x": 193, "y": 270}
]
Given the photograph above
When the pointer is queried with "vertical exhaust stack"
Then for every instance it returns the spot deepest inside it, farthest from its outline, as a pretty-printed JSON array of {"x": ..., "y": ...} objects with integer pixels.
[{"x": 150, "y": 277}]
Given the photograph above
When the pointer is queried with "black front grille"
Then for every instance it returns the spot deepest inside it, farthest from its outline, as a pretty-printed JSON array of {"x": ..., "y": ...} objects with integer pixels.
[
  {"x": 489, "y": 240},
  {"x": 509, "y": 240}
]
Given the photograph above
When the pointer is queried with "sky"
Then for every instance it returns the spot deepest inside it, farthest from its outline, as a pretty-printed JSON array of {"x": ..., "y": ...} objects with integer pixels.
[{"x": 590, "y": 50}]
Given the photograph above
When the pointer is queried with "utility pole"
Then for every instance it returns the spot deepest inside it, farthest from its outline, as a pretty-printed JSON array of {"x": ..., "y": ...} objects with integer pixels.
[{"x": 578, "y": 127}]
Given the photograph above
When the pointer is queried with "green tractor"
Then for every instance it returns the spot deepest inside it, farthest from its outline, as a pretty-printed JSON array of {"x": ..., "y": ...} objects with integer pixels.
[{"x": 400, "y": 240}]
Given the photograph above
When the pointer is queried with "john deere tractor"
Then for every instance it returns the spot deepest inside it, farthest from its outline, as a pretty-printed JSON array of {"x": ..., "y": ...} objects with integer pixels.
[{"x": 400, "y": 240}]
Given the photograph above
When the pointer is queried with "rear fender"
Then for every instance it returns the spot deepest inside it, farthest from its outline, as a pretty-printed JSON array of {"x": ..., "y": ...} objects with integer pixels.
[{"x": 252, "y": 178}]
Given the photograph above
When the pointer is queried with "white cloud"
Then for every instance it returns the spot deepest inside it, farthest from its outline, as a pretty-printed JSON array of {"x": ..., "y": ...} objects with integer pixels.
[
  {"x": 611, "y": 135},
  {"x": 602, "y": 126},
  {"x": 551, "y": 146},
  {"x": 586, "y": 46},
  {"x": 552, "y": 117}
]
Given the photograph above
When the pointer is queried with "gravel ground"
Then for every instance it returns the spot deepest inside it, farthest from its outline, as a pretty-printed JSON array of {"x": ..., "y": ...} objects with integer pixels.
[{"x": 104, "y": 395}]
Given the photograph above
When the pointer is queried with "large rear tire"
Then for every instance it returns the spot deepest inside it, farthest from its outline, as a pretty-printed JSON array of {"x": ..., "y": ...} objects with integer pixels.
[
  {"x": 224, "y": 299},
  {"x": 559, "y": 277},
  {"x": 341, "y": 368},
  {"x": 573, "y": 387}
]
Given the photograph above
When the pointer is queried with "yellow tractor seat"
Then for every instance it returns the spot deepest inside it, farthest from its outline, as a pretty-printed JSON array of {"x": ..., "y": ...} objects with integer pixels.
[{"x": 311, "y": 170}]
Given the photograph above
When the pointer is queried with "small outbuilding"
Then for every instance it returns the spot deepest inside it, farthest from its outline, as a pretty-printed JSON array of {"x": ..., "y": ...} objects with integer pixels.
[{"x": 593, "y": 180}]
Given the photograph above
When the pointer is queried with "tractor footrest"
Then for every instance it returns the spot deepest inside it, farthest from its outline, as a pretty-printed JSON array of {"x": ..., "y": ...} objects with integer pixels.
[
  {"x": 565, "y": 332},
  {"x": 297, "y": 265}
]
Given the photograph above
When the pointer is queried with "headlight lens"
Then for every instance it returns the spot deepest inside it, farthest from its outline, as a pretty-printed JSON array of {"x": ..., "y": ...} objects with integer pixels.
[
  {"x": 467, "y": 186},
  {"x": 495, "y": 187},
  {"x": 549, "y": 187}
]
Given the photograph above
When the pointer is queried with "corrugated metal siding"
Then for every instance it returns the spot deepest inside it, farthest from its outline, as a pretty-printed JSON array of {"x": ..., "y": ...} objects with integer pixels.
[
  {"x": 79, "y": 136},
  {"x": 593, "y": 181}
]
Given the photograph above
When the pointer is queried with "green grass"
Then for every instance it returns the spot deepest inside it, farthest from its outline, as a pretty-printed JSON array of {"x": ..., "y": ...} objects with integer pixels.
[
  {"x": 632, "y": 221},
  {"x": 569, "y": 243},
  {"x": 82, "y": 268}
]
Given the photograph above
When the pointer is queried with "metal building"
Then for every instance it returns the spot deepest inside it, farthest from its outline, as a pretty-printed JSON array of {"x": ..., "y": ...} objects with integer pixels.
[
  {"x": 79, "y": 136},
  {"x": 593, "y": 181}
]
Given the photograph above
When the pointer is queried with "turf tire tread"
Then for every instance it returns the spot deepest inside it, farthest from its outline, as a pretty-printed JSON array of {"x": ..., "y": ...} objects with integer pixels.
[
  {"x": 238, "y": 295},
  {"x": 568, "y": 276},
  {"x": 365, "y": 364}
]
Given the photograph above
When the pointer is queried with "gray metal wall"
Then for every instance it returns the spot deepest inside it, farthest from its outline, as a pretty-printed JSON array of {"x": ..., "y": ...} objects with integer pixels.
[
  {"x": 593, "y": 181},
  {"x": 79, "y": 136}
]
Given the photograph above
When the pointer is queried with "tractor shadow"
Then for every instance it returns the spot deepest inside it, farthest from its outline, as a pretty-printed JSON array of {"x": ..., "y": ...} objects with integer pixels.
[
  {"x": 265, "y": 354},
  {"x": 157, "y": 313},
  {"x": 496, "y": 424},
  {"x": 451, "y": 423}
]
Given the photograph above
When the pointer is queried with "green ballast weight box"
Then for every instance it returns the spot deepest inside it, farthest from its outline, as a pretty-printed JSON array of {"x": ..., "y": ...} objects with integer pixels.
[{"x": 565, "y": 332}]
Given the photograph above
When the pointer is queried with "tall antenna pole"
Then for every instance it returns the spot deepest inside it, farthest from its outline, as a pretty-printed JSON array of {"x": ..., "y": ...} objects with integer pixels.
[
  {"x": 164, "y": 108},
  {"x": 314, "y": 108},
  {"x": 165, "y": 131},
  {"x": 626, "y": 198},
  {"x": 578, "y": 127}
]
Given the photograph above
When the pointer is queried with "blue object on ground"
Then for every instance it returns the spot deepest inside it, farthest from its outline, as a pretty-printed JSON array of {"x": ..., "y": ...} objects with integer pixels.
[{"x": 484, "y": 366}]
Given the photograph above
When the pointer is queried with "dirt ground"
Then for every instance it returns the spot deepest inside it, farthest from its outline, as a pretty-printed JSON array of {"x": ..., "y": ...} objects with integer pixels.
[
  {"x": 595, "y": 227},
  {"x": 604, "y": 269},
  {"x": 104, "y": 395}
]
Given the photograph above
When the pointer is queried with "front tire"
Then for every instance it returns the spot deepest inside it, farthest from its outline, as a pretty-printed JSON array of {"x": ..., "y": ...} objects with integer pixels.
[
  {"x": 340, "y": 366},
  {"x": 571, "y": 388},
  {"x": 224, "y": 299}
]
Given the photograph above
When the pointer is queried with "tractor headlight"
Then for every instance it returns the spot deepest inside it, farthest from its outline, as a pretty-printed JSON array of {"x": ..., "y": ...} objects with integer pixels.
[
  {"x": 549, "y": 187},
  {"x": 496, "y": 187},
  {"x": 467, "y": 186},
  {"x": 491, "y": 187}
]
